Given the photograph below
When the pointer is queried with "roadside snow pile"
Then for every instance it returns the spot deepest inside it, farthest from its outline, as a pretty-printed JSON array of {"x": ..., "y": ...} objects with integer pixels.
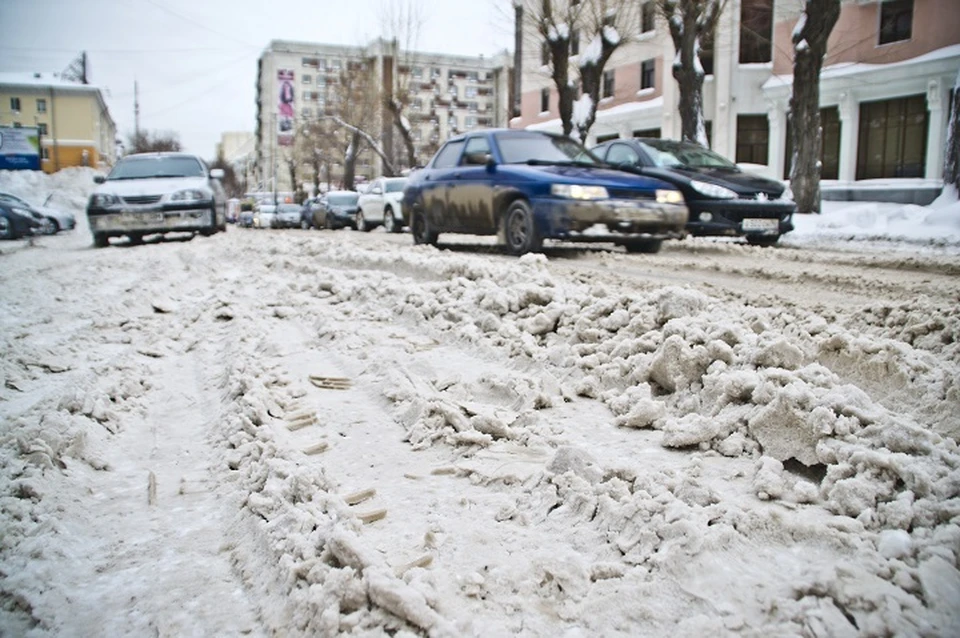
[{"x": 869, "y": 489}]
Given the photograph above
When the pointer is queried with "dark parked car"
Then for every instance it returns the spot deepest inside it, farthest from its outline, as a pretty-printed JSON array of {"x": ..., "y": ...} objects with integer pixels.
[
  {"x": 338, "y": 209},
  {"x": 307, "y": 211},
  {"x": 17, "y": 222},
  {"x": 288, "y": 216},
  {"x": 723, "y": 199},
  {"x": 51, "y": 220},
  {"x": 528, "y": 186},
  {"x": 245, "y": 219}
]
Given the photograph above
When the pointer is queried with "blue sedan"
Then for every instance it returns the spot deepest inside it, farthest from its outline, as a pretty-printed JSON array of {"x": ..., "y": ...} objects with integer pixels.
[{"x": 528, "y": 186}]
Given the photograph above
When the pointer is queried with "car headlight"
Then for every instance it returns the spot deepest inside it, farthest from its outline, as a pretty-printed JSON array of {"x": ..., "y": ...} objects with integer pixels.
[
  {"x": 787, "y": 194},
  {"x": 189, "y": 195},
  {"x": 577, "y": 191},
  {"x": 712, "y": 190},
  {"x": 669, "y": 197},
  {"x": 104, "y": 200}
]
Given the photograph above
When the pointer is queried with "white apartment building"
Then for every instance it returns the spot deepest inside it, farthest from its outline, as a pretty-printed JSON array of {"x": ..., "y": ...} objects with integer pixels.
[
  {"x": 884, "y": 90},
  {"x": 302, "y": 82}
]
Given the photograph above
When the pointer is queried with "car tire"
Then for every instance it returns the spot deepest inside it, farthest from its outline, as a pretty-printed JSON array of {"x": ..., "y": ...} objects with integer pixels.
[
  {"x": 6, "y": 229},
  {"x": 56, "y": 226},
  {"x": 330, "y": 223},
  {"x": 420, "y": 228},
  {"x": 648, "y": 246},
  {"x": 390, "y": 223},
  {"x": 764, "y": 240},
  {"x": 135, "y": 240},
  {"x": 304, "y": 224},
  {"x": 100, "y": 240},
  {"x": 520, "y": 233},
  {"x": 361, "y": 223}
]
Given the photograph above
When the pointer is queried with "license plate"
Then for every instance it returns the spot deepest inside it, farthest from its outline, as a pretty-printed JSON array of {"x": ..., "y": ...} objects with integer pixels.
[{"x": 760, "y": 224}]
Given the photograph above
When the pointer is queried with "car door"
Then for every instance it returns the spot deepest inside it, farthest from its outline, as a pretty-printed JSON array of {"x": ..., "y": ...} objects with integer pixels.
[
  {"x": 436, "y": 180},
  {"x": 470, "y": 194}
]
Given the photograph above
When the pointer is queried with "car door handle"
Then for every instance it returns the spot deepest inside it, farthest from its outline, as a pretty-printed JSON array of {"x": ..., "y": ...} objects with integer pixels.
[{"x": 456, "y": 175}]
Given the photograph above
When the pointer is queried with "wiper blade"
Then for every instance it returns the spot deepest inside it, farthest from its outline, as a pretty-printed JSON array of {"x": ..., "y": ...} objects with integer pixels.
[{"x": 540, "y": 162}]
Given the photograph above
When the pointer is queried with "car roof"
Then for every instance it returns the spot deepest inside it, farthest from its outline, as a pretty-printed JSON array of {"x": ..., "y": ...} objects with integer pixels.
[
  {"x": 344, "y": 192},
  {"x": 142, "y": 156}
]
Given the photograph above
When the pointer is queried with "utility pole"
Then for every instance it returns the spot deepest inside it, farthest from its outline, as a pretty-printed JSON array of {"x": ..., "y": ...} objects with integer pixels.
[{"x": 275, "y": 135}]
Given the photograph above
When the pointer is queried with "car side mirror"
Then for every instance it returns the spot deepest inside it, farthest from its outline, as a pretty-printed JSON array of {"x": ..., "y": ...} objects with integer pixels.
[
  {"x": 216, "y": 173},
  {"x": 99, "y": 179},
  {"x": 490, "y": 163},
  {"x": 375, "y": 191}
]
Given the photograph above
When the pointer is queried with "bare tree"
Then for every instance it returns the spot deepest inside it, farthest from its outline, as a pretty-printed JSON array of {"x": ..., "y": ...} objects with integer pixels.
[
  {"x": 689, "y": 22},
  {"x": 157, "y": 142},
  {"x": 810, "y": 46},
  {"x": 607, "y": 21},
  {"x": 355, "y": 108},
  {"x": 553, "y": 26},
  {"x": 951, "y": 163},
  {"x": 402, "y": 22}
]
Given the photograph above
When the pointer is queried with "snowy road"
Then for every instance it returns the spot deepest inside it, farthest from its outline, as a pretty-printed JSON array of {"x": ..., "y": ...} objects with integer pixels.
[{"x": 316, "y": 433}]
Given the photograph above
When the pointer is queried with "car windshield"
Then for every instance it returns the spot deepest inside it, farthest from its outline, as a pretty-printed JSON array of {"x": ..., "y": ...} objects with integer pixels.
[
  {"x": 538, "y": 148},
  {"x": 289, "y": 208},
  {"x": 342, "y": 199},
  {"x": 668, "y": 154},
  {"x": 268, "y": 208},
  {"x": 157, "y": 166},
  {"x": 395, "y": 185}
]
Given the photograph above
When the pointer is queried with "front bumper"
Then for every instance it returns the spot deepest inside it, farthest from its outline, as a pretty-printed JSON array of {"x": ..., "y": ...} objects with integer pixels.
[
  {"x": 623, "y": 219},
  {"x": 150, "y": 219},
  {"x": 741, "y": 217}
]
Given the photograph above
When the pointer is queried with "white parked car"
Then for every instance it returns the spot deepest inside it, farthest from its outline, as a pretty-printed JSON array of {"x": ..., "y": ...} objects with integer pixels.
[
  {"x": 381, "y": 205},
  {"x": 156, "y": 193}
]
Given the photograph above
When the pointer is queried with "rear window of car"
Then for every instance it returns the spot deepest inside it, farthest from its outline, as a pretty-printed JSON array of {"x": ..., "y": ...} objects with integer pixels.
[
  {"x": 395, "y": 185},
  {"x": 521, "y": 148},
  {"x": 343, "y": 200},
  {"x": 147, "y": 167},
  {"x": 667, "y": 154}
]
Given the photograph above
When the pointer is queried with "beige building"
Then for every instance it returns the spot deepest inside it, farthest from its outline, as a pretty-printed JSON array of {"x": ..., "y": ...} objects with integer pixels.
[
  {"x": 884, "y": 90},
  {"x": 302, "y": 82},
  {"x": 76, "y": 128}
]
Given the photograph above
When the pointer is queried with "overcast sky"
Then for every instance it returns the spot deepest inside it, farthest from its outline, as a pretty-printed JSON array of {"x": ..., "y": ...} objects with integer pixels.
[{"x": 195, "y": 60}]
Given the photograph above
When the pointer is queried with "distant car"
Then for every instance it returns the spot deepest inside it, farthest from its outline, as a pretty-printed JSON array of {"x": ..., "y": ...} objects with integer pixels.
[
  {"x": 17, "y": 222},
  {"x": 528, "y": 186},
  {"x": 338, "y": 209},
  {"x": 264, "y": 215},
  {"x": 307, "y": 211},
  {"x": 288, "y": 216},
  {"x": 380, "y": 204},
  {"x": 156, "y": 193},
  {"x": 56, "y": 220},
  {"x": 245, "y": 219},
  {"x": 722, "y": 198}
]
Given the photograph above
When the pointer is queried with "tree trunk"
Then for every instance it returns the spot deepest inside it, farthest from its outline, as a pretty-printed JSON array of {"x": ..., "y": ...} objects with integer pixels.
[
  {"x": 810, "y": 45},
  {"x": 350, "y": 160},
  {"x": 951, "y": 162},
  {"x": 396, "y": 111},
  {"x": 591, "y": 81}
]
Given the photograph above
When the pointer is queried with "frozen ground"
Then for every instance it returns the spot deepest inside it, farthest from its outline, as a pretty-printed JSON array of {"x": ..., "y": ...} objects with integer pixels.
[{"x": 317, "y": 433}]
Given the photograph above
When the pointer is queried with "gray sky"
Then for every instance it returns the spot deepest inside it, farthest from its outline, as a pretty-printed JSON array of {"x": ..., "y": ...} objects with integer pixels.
[{"x": 195, "y": 60}]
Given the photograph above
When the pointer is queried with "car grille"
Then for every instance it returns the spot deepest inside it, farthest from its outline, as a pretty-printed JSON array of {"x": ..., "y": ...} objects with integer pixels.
[
  {"x": 142, "y": 199},
  {"x": 620, "y": 193}
]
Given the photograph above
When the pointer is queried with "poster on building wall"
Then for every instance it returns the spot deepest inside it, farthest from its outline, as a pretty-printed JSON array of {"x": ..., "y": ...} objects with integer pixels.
[
  {"x": 285, "y": 107},
  {"x": 19, "y": 149}
]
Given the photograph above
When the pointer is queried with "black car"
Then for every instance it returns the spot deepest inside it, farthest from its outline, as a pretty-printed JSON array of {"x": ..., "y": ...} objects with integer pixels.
[
  {"x": 723, "y": 199},
  {"x": 16, "y": 222},
  {"x": 528, "y": 186},
  {"x": 337, "y": 209}
]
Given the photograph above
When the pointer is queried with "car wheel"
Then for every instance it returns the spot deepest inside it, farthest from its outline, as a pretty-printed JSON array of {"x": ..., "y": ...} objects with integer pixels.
[
  {"x": 649, "y": 246},
  {"x": 330, "y": 224},
  {"x": 47, "y": 227},
  {"x": 304, "y": 224},
  {"x": 362, "y": 223},
  {"x": 390, "y": 223},
  {"x": 100, "y": 240},
  {"x": 135, "y": 240},
  {"x": 55, "y": 226},
  {"x": 422, "y": 233},
  {"x": 762, "y": 240},
  {"x": 520, "y": 230},
  {"x": 6, "y": 229}
]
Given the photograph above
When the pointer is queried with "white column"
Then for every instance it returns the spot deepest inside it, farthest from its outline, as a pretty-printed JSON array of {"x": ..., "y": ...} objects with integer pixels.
[
  {"x": 936, "y": 132},
  {"x": 725, "y": 67},
  {"x": 777, "y": 140},
  {"x": 625, "y": 130},
  {"x": 849, "y": 133}
]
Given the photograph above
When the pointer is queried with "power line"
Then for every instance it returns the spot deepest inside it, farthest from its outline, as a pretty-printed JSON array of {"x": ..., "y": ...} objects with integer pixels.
[{"x": 196, "y": 23}]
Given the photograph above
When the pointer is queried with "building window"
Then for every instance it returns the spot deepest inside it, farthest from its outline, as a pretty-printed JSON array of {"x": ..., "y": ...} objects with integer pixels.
[
  {"x": 41, "y": 105},
  {"x": 15, "y": 104},
  {"x": 893, "y": 138},
  {"x": 544, "y": 100},
  {"x": 470, "y": 121},
  {"x": 606, "y": 138},
  {"x": 314, "y": 62},
  {"x": 896, "y": 20},
  {"x": 436, "y": 73},
  {"x": 452, "y": 123},
  {"x": 829, "y": 144},
  {"x": 472, "y": 107},
  {"x": 470, "y": 91},
  {"x": 307, "y": 112},
  {"x": 575, "y": 42},
  {"x": 753, "y": 137},
  {"x": 306, "y": 79},
  {"x": 608, "y": 84},
  {"x": 648, "y": 74},
  {"x": 45, "y": 153},
  {"x": 647, "y": 132},
  {"x": 756, "y": 31},
  {"x": 417, "y": 72},
  {"x": 416, "y": 104},
  {"x": 648, "y": 17},
  {"x": 42, "y": 128},
  {"x": 336, "y": 65}
]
